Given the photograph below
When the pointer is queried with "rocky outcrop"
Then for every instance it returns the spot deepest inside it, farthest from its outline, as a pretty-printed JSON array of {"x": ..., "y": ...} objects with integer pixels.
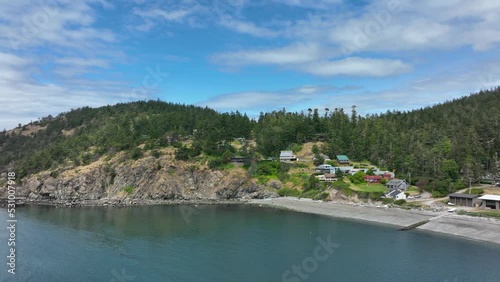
[{"x": 146, "y": 180}]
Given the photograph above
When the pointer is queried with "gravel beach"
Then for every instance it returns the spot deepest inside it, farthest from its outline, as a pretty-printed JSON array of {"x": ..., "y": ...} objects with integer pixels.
[{"x": 479, "y": 229}]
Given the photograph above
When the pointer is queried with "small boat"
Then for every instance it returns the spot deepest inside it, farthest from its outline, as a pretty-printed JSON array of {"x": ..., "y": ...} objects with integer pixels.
[{"x": 452, "y": 210}]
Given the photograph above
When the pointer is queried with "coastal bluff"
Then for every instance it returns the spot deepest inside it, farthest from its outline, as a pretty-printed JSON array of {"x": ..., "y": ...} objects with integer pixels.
[{"x": 127, "y": 182}]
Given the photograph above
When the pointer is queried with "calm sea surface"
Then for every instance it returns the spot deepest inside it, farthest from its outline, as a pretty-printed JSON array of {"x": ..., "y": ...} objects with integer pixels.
[{"x": 230, "y": 243}]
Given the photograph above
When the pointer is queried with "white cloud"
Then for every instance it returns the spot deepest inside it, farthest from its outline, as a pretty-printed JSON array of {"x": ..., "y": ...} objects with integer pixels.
[
  {"x": 272, "y": 100},
  {"x": 57, "y": 23},
  {"x": 46, "y": 47},
  {"x": 313, "y": 59},
  {"x": 314, "y": 4},
  {"x": 355, "y": 66},
  {"x": 292, "y": 54},
  {"x": 246, "y": 27},
  {"x": 178, "y": 15}
]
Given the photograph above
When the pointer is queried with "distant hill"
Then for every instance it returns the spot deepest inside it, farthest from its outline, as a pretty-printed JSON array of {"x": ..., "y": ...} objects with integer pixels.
[
  {"x": 82, "y": 136},
  {"x": 459, "y": 138}
]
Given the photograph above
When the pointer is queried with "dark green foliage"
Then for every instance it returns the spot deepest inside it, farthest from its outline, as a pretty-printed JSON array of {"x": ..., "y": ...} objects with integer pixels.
[
  {"x": 156, "y": 153},
  {"x": 287, "y": 192},
  {"x": 454, "y": 140},
  {"x": 184, "y": 153},
  {"x": 436, "y": 142},
  {"x": 339, "y": 174},
  {"x": 268, "y": 168},
  {"x": 129, "y": 189},
  {"x": 340, "y": 185},
  {"x": 315, "y": 149},
  {"x": 110, "y": 129},
  {"x": 216, "y": 163},
  {"x": 357, "y": 178},
  {"x": 312, "y": 184},
  {"x": 478, "y": 191},
  {"x": 387, "y": 201},
  {"x": 135, "y": 153},
  {"x": 318, "y": 160},
  {"x": 400, "y": 202}
]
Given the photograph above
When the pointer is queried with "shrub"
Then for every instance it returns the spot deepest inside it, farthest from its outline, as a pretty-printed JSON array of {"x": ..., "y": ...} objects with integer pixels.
[
  {"x": 128, "y": 189},
  {"x": 387, "y": 201},
  {"x": 182, "y": 154},
  {"x": 318, "y": 160},
  {"x": 287, "y": 192},
  {"x": 309, "y": 194},
  {"x": 296, "y": 148},
  {"x": 135, "y": 153},
  {"x": 474, "y": 191},
  {"x": 267, "y": 168},
  {"x": 156, "y": 153},
  {"x": 357, "y": 178},
  {"x": 375, "y": 195},
  {"x": 400, "y": 202},
  {"x": 215, "y": 163},
  {"x": 312, "y": 184}
]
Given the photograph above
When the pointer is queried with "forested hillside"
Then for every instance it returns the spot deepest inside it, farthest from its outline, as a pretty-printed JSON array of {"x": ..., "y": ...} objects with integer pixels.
[
  {"x": 82, "y": 136},
  {"x": 439, "y": 141},
  {"x": 442, "y": 141}
]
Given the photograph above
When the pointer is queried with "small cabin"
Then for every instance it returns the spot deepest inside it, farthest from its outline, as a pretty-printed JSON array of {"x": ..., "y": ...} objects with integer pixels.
[
  {"x": 287, "y": 156},
  {"x": 342, "y": 159}
]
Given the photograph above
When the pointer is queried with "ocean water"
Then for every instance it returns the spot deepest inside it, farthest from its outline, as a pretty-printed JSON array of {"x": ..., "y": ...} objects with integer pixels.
[{"x": 230, "y": 243}]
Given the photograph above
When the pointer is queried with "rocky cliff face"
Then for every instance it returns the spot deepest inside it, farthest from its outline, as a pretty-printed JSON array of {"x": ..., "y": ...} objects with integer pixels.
[{"x": 126, "y": 182}]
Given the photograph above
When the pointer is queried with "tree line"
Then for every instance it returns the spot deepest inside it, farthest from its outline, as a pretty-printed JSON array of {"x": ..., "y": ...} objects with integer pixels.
[{"x": 455, "y": 139}]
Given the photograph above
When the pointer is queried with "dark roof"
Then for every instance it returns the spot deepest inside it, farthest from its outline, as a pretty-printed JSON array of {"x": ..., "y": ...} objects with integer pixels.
[
  {"x": 460, "y": 195},
  {"x": 393, "y": 193},
  {"x": 395, "y": 181}
]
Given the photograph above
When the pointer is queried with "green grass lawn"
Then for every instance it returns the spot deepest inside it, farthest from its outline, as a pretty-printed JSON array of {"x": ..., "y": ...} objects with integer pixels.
[
  {"x": 484, "y": 213},
  {"x": 366, "y": 187},
  {"x": 413, "y": 191}
]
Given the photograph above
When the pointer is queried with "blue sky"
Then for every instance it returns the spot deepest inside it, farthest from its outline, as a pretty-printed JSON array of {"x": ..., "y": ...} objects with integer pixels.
[{"x": 244, "y": 55}]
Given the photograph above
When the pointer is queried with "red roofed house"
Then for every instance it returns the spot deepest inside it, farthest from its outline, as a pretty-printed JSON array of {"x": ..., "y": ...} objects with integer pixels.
[
  {"x": 387, "y": 176},
  {"x": 372, "y": 178}
]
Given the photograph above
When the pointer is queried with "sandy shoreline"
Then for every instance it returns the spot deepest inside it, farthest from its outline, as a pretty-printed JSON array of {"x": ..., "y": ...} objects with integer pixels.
[{"x": 478, "y": 229}]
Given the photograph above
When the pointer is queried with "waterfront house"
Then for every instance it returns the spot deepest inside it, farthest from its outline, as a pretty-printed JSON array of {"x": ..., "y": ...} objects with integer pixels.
[
  {"x": 287, "y": 156},
  {"x": 330, "y": 177},
  {"x": 344, "y": 169},
  {"x": 490, "y": 202},
  {"x": 342, "y": 159},
  {"x": 386, "y": 174},
  {"x": 466, "y": 200},
  {"x": 325, "y": 168},
  {"x": 399, "y": 184},
  {"x": 372, "y": 178},
  {"x": 327, "y": 177},
  {"x": 396, "y": 195}
]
